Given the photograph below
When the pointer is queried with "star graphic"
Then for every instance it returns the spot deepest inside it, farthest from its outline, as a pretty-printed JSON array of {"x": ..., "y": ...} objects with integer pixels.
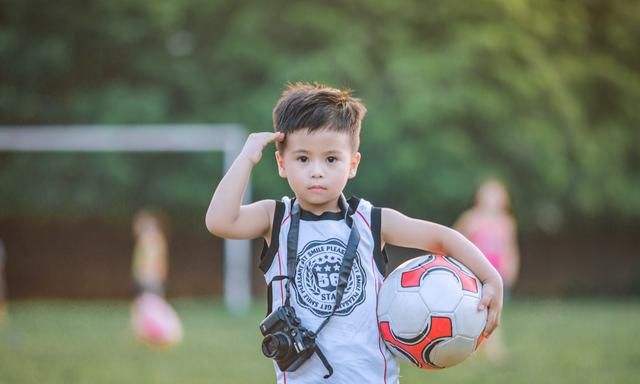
[
  {"x": 327, "y": 268},
  {"x": 336, "y": 268}
]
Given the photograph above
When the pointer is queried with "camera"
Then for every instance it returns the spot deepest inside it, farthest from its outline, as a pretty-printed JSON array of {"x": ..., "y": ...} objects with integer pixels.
[{"x": 286, "y": 340}]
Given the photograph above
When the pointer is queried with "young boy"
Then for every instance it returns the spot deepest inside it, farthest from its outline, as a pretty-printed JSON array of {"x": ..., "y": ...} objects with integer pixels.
[{"x": 317, "y": 134}]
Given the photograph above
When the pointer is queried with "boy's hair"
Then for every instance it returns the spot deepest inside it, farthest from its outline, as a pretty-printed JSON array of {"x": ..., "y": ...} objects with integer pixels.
[{"x": 317, "y": 106}]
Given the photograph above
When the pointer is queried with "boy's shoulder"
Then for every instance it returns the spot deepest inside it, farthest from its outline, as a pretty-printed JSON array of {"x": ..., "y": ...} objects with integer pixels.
[
  {"x": 353, "y": 202},
  {"x": 264, "y": 207}
]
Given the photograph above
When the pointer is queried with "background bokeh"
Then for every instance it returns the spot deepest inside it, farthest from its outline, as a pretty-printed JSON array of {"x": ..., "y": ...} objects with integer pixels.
[{"x": 541, "y": 94}]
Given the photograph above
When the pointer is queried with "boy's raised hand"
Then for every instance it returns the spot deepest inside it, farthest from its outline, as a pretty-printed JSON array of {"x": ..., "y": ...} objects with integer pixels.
[
  {"x": 256, "y": 142},
  {"x": 492, "y": 300}
]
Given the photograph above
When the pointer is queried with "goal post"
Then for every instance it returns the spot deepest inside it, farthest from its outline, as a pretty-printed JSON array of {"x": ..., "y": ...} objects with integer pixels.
[{"x": 226, "y": 138}]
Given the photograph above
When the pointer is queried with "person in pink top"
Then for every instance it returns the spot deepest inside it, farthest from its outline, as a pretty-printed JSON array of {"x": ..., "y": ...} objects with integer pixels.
[{"x": 490, "y": 225}]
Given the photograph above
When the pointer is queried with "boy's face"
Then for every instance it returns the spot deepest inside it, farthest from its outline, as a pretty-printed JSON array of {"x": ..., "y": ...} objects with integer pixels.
[{"x": 317, "y": 166}]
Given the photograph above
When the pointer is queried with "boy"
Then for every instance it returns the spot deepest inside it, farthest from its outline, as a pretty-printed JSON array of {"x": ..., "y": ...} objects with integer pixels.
[{"x": 317, "y": 131}]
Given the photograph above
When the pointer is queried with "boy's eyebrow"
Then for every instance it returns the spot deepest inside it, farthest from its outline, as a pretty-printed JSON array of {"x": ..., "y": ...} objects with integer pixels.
[{"x": 329, "y": 152}]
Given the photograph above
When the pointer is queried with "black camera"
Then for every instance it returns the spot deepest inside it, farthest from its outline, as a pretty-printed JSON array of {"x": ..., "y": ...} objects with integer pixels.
[{"x": 286, "y": 340}]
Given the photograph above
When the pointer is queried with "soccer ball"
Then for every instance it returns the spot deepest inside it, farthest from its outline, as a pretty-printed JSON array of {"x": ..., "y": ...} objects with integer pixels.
[
  {"x": 428, "y": 312},
  {"x": 154, "y": 322}
]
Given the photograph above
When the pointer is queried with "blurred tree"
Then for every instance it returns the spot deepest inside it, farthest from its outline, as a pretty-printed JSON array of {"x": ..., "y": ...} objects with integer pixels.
[{"x": 539, "y": 93}]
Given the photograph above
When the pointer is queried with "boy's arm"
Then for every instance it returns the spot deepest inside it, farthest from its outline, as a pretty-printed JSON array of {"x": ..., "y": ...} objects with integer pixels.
[
  {"x": 226, "y": 216},
  {"x": 398, "y": 229}
]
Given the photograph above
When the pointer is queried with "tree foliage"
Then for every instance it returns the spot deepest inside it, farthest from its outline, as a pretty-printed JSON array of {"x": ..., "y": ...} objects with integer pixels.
[{"x": 542, "y": 94}]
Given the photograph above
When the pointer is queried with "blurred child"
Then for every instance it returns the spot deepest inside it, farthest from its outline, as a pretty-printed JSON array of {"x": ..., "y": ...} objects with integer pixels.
[
  {"x": 153, "y": 320},
  {"x": 491, "y": 227},
  {"x": 312, "y": 238},
  {"x": 150, "y": 254}
]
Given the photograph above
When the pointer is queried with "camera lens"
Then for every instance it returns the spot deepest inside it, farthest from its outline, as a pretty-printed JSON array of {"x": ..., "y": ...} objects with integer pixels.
[{"x": 276, "y": 346}]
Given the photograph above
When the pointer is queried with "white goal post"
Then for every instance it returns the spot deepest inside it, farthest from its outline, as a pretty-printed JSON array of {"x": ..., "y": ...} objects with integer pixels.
[{"x": 228, "y": 138}]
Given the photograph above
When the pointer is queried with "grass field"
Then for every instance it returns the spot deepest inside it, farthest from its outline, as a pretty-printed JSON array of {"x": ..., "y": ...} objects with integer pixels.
[{"x": 551, "y": 341}]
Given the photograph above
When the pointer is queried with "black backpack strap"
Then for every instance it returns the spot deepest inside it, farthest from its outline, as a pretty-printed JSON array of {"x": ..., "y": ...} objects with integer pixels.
[
  {"x": 379, "y": 253},
  {"x": 270, "y": 293},
  {"x": 269, "y": 251}
]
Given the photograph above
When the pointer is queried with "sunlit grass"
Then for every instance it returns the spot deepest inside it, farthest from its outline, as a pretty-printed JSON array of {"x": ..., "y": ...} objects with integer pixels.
[{"x": 585, "y": 341}]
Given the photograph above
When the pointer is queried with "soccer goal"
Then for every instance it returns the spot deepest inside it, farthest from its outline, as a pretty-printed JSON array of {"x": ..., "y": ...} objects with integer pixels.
[{"x": 228, "y": 139}]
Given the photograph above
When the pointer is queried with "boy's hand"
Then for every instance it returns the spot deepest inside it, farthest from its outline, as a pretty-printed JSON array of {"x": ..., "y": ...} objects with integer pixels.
[
  {"x": 492, "y": 300},
  {"x": 255, "y": 144}
]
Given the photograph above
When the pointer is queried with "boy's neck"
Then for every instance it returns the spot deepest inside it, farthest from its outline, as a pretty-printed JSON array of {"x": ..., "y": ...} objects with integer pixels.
[{"x": 320, "y": 209}]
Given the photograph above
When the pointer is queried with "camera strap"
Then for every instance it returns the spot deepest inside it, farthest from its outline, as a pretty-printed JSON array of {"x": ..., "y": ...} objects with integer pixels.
[
  {"x": 347, "y": 260},
  {"x": 345, "y": 268}
]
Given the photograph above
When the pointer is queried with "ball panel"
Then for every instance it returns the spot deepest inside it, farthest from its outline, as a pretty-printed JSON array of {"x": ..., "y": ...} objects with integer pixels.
[
  {"x": 416, "y": 350},
  {"x": 458, "y": 264},
  {"x": 469, "y": 321},
  {"x": 404, "y": 322},
  {"x": 413, "y": 263},
  {"x": 452, "y": 351},
  {"x": 440, "y": 291},
  {"x": 386, "y": 296}
]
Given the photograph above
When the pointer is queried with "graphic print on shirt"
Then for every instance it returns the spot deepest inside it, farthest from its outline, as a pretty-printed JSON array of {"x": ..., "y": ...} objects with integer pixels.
[{"x": 317, "y": 274}]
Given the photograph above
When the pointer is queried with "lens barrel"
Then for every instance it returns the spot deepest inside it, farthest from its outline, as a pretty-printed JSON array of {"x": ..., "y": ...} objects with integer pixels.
[{"x": 277, "y": 345}]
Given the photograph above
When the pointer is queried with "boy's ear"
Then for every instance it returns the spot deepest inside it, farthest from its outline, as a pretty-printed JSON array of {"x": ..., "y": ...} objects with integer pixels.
[
  {"x": 280, "y": 161},
  {"x": 355, "y": 161}
]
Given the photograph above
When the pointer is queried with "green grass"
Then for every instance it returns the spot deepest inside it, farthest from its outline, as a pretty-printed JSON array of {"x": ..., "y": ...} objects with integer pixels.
[{"x": 577, "y": 341}]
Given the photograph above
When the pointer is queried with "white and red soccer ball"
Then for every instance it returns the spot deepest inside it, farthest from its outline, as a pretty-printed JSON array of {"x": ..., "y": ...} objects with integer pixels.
[{"x": 428, "y": 312}]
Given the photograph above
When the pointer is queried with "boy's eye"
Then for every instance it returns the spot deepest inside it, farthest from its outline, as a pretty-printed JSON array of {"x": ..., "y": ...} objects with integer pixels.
[
  {"x": 332, "y": 159},
  {"x": 303, "y": 159}
]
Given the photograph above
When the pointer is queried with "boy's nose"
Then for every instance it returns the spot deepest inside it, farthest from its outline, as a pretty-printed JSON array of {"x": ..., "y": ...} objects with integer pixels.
[{"x": 316, "y": 171}]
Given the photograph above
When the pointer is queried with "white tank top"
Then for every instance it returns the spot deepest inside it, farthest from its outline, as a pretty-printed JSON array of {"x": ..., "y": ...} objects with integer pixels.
[{"x": 351, "y": 340}]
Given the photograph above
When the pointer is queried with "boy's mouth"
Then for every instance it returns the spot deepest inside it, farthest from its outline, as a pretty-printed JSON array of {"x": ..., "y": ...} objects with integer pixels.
[{"x": 317, "y": 188}]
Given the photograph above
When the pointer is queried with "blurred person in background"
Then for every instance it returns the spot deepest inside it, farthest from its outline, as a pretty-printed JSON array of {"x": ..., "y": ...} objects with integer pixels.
[
  {"x": 150, "y": 253},
  {"x": 490, "y": 225},
  {"x": 153, "y": 320}
]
